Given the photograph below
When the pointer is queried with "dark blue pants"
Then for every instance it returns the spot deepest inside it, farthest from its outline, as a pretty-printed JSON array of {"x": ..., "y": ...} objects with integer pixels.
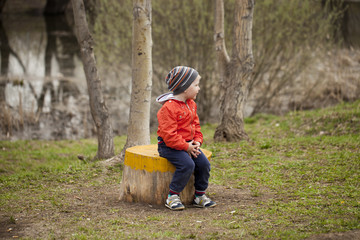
[{"x": 185, "y": 166}]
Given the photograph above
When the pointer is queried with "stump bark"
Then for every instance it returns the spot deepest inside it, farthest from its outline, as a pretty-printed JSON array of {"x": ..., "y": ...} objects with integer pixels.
[{"x": 146, "y": 177}]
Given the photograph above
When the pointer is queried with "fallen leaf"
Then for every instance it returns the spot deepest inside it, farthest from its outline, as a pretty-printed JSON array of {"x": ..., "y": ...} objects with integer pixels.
[{"x": 78, "y": 198}]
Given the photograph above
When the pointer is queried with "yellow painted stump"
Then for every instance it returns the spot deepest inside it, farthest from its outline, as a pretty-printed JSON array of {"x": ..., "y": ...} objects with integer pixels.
[{"x": 146, "y": 176}]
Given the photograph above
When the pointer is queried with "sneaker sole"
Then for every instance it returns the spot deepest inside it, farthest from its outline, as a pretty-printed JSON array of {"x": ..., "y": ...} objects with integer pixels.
[
  {"x": 175, "y": 209},
  {"x": 201, "y": 206}
]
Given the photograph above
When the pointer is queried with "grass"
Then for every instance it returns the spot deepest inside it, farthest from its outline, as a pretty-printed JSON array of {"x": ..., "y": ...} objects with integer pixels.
[{"x": 302, "y": 173}]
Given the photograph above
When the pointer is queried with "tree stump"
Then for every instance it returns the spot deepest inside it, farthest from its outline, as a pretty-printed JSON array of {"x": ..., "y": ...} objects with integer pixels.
[{"x": 146, "y": 177}]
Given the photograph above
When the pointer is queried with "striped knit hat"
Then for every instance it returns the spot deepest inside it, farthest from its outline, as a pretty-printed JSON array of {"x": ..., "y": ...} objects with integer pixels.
[{"x": 180, "y": 78}]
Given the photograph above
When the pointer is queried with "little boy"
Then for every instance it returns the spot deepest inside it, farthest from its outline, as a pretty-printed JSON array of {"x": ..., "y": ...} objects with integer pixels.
[{"x": 180, "y": 137}]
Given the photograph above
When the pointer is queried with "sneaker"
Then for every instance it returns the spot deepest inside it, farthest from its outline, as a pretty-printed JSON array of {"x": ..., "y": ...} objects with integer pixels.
[
  {"x": 203, "y": 202},
  {"x": 173, "y": 202}
]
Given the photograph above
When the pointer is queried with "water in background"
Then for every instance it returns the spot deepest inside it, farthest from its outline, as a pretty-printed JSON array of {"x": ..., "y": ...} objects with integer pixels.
[{"x": 43, "y": 92}]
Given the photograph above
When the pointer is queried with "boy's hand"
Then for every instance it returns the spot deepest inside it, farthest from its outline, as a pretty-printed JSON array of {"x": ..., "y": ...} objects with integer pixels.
[
  {"x": 193, "y": 149},
  {"x": 197, "y": 144}
]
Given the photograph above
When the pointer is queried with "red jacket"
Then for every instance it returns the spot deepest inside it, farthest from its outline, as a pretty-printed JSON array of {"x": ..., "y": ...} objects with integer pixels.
[{"x": 179, "y": 123}]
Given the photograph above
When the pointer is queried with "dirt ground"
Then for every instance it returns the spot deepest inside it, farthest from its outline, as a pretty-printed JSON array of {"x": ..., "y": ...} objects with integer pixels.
[{"x": 95, "y": 203}]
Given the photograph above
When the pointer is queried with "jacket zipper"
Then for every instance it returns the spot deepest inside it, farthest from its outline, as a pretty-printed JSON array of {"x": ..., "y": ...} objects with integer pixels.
[{"x": 192, "y": 119}]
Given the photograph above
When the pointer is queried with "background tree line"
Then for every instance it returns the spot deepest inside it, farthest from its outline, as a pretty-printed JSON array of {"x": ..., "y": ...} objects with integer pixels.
[
  {"x": 289, "y": 37},
  {"x": 286, "y": 36}
]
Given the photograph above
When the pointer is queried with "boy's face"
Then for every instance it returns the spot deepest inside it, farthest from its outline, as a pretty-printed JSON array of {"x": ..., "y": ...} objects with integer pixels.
[{"x": 194, "y": 89}]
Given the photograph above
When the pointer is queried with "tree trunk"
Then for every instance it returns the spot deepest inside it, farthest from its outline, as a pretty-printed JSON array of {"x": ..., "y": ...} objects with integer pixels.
[
  {"x": 138, "y": 132},
  {"x": 235, "y": 72},
  {"x": 98, "y": 108},
  {"x": 2, "y": 4}
]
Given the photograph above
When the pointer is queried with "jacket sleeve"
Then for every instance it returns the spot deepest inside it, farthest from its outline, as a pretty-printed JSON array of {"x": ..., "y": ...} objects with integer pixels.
[
  {"x": 198, "y": 137},
  {"x": 168, "y": 129}
]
